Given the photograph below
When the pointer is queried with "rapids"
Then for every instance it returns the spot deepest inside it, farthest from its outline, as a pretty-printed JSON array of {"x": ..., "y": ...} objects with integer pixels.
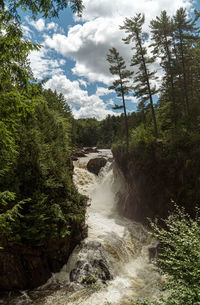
[{"x": 112, "y": 265}]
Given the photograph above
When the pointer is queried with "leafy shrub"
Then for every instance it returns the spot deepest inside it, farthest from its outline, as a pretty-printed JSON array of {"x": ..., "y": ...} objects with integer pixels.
[{"x": 179, "y": 258}]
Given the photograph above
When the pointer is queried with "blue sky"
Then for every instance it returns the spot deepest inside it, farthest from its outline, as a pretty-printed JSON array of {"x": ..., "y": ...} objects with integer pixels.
[{"x": 73, "y": 52}]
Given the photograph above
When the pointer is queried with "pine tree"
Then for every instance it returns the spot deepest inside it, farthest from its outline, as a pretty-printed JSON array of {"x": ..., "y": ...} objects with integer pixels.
[
  {"x": 162, "y": 35},
  {"x": 121, "y": 84},
  {"x": 48, "y": 8},
  {"x": 143, "y": 89},
  {"x": 185, "y": 36}
]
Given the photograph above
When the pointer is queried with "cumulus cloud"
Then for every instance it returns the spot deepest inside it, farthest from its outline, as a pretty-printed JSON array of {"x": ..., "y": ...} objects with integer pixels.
[
  {"x": 127, "y": 8},
  {"x": 82, "y": 104},
  {"x": 52, "y": 26},
  {"x": 82, "y": 82},
  {"x": 101, "y": 91},
  {"x": 88, "y": 45},
  {"x": 132, "y": 99},
  {"x": 40, "y": 25},
  {"x": 26, "y": 31},
  {"x": 89, "y": 42},
  {"x": 43, "y": 65}
]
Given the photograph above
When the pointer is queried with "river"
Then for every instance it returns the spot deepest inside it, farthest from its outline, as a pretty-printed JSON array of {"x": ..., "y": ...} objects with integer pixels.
[{"x": 112, "y": 265}]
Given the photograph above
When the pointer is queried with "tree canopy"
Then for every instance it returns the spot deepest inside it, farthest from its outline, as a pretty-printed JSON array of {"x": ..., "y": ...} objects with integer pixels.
[{"x": 48, "y": 8}]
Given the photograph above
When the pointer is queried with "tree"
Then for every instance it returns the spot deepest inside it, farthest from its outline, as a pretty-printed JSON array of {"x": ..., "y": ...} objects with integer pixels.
[
  {"x": 48, "y": 8},
  {"x": 143, "y": 88},
  {"x": 121, "y": 84},
  {"x": 179, "y": 259},
  {"x": 162, "y": 29},
  {"x": 185, "y": 36},
  {"x": 18, "y": 93}
]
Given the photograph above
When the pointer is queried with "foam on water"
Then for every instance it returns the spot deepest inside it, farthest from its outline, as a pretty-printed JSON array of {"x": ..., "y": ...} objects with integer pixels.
[{"x": 122, "y": 243}]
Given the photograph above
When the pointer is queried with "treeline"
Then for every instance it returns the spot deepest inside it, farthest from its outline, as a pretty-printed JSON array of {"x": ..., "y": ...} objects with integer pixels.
[
  {"x": 166, "y": 82},
  {"x": 162, "y": 161},
  {"x": 168, "y": 68},
  {"x": 90, "y": 132},
  {"x": 38, "y": 200}
]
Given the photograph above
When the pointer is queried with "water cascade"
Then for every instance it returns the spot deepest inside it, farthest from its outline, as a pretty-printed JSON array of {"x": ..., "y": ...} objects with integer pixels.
[{"x": 112, "y": 265}]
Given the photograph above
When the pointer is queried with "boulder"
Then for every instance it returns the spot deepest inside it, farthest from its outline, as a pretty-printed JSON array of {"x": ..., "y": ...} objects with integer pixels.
[
  {"x": 89, "y": 150},
  {"x": 94, "y": 165},
  {"x": 91, "y": 265},
  {"x": 77, "y": 154}
]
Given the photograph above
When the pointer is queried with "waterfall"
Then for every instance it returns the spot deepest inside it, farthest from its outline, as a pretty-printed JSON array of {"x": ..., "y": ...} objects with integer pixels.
[{"x": 112, "y": 265}]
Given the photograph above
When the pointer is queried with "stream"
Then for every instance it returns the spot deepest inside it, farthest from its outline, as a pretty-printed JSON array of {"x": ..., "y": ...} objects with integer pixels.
[{"x": 112, "y": 265}]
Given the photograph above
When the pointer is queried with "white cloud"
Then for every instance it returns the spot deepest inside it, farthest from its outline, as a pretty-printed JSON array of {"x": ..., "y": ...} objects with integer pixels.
[
  {"x": 88, "y": 43},
  {"x": 62, "y": 62},
  {"x": 126, "y": 8},
  {"x": 132, "y": 99},
  {"x": 101, "y": 91},
  {"x": 26, "y": 31},
  {"x": 90, "y": 105},
  {"x": 43, "y": 65},
  {"x": 110, "y": 102},
  {"x": 39, "y": 25},
  {"x": 52, "y": 26},
  {"x": 82, "y": 82}
]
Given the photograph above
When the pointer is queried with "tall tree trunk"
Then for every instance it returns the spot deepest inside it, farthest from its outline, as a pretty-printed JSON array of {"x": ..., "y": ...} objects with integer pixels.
[
  {"x": 184, "y": 74},
  {"x": 149, "y": 89},
  {"x": 171, "y": 76},
  {"x": 126, "y": 123}
]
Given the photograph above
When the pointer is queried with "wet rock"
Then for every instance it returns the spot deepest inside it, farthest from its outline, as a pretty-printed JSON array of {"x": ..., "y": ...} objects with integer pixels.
[
  {"x": 94, "y": 245},
  {"x": 91, "y": 266},
  {"x": 27, "y": 267},
  {"x": 89, "y": 150},
  {"x": 153, "y": 253},
  {"x": 84, "y": 231},
  {"x": 94, "y": 165},
  {"x": 77, "y": 154}
]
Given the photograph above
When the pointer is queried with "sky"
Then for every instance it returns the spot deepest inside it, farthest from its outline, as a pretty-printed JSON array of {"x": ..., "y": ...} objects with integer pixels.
[{"x": 73, "y": 50}]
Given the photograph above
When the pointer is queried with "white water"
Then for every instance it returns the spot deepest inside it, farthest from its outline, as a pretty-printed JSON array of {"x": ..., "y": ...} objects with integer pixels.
[{"x": 122, "y": 244}]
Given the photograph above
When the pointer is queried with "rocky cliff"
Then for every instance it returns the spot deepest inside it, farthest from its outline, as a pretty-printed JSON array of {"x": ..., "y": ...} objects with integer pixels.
[
  {"x": 148, "y": 186},
  {"x": 28, "y": 267}
]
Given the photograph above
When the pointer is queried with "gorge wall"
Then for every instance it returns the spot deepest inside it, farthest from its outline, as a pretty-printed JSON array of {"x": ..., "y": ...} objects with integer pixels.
[
  {"x": 28, "y": 267},
  {"x": 151, "y": 183}
]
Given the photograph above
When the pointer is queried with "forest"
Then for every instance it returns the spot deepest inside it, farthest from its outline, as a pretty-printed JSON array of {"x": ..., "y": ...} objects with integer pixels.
[{"x": 161, "y": 140}]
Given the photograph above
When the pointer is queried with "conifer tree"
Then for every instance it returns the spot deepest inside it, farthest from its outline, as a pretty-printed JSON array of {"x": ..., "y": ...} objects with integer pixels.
[
  {"x": 185, "y": 36},
  {"x": 162, "y": 35},
  {"x": 121, "y": 84},
  {"x": 143, "y": 88},
  {"x": 48, "y": 8}
]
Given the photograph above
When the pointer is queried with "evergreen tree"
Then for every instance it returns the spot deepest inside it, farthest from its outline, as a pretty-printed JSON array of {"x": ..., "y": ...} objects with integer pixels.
[
  {"x": 143, "y": 88},
  {"x": 122, "y": 84},
  {"x": 48, "y": 8},
  {"x": 185, "y": 36},
  {"x": 162, "y": 35},
  {"x": 18, "y": 93}
]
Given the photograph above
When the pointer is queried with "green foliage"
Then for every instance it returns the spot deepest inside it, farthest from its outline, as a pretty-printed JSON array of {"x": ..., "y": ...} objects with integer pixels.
[
  {"x": 47, "y": 8},
  {"x": 16, "y": 87},
  {"x": 175, "y": 154},
  {"x": 141, "y": 135},
  {"x": 179, "y": 258},
  {"x": 121, "y": 84},
  {"x": 43, "y": 173},
  {"x": 38, "y": 201},
  {"x": 143, "y": 88}
]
